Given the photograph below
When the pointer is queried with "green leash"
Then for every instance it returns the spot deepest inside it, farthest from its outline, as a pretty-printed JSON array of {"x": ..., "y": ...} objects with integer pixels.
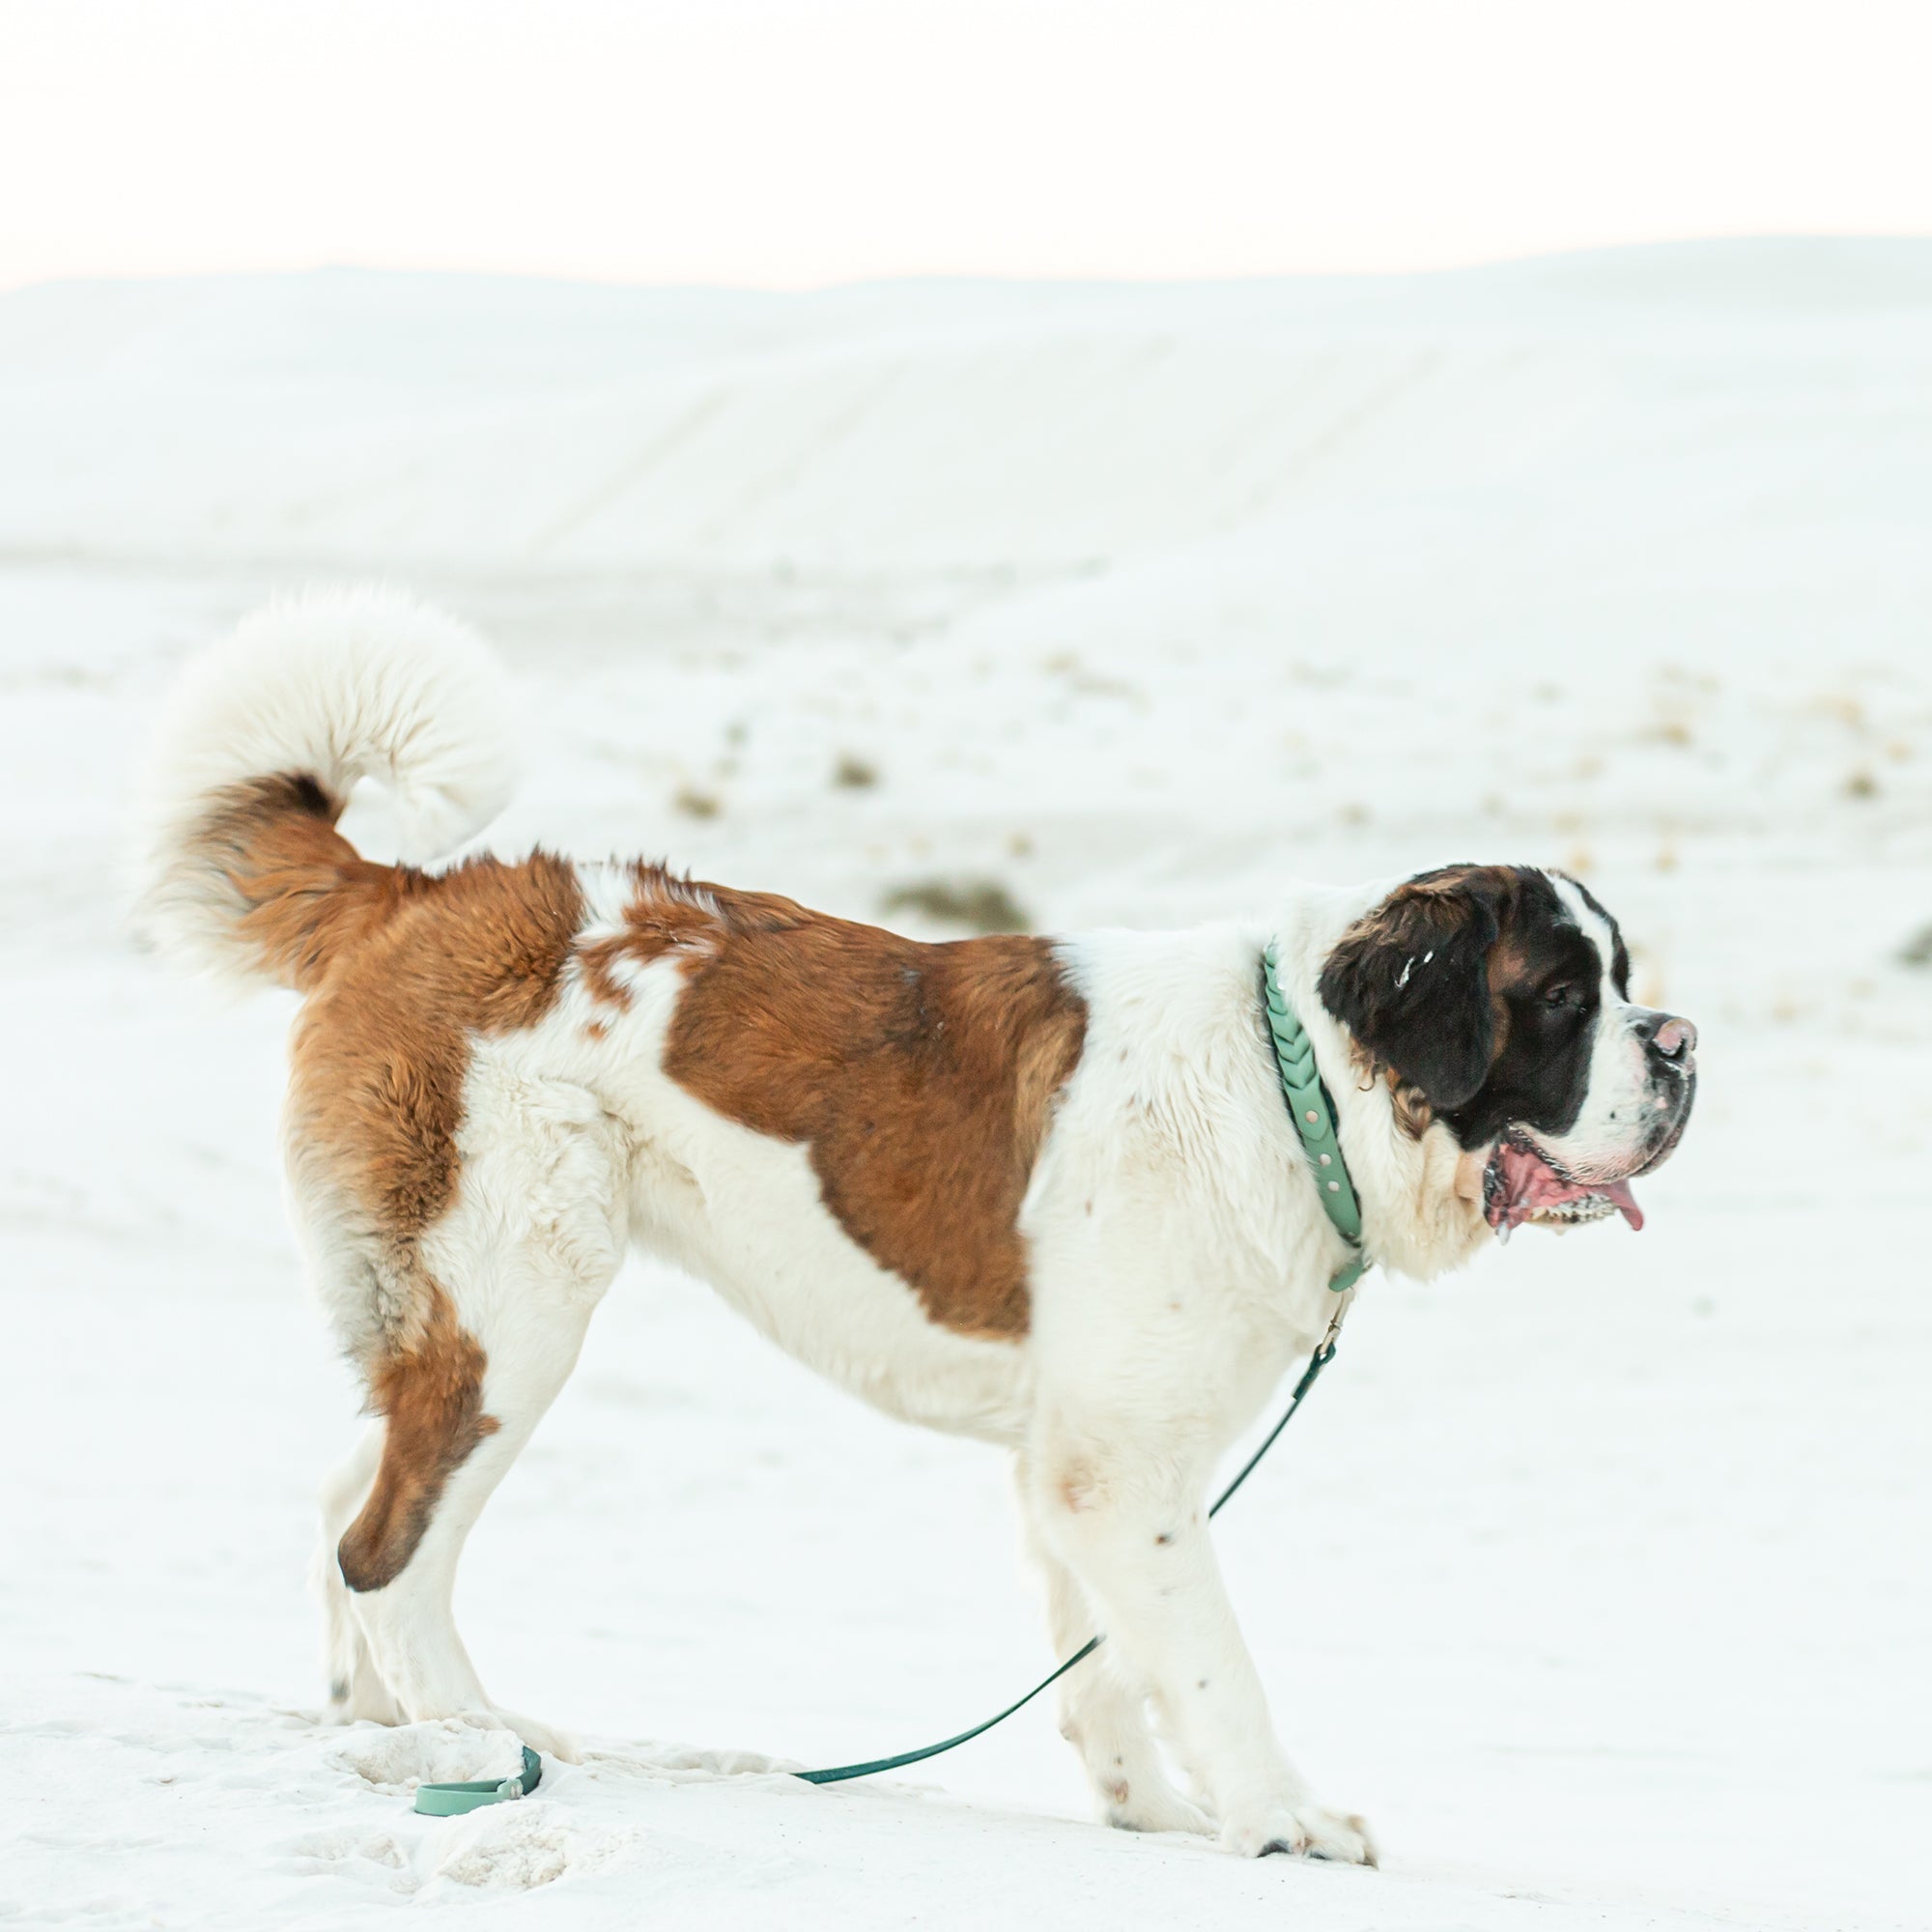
[
  {"x": 451, "y": 1801},
  {"x": 838, "y": 1774},
  {"x": 1313, "y": 1112},
  {"x": 1314, "y": 1116}
]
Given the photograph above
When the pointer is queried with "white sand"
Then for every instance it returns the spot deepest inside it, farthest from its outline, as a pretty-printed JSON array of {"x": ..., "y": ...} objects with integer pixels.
[{"x": 1611, "y": 1607}]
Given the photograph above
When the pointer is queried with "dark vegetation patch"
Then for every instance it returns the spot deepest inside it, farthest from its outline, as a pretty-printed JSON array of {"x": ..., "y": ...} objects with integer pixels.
[{"x": 981, "y": 905}]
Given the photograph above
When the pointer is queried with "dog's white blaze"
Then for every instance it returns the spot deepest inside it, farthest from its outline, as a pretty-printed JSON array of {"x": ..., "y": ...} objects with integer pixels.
[{"x": 1609, "y": 1135}]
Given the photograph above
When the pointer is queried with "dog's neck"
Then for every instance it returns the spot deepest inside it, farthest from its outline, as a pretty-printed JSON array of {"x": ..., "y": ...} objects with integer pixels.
[{"x": 1419, "y": 1216}]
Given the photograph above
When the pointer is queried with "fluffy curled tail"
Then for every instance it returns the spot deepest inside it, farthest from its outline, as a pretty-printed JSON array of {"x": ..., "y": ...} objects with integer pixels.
[{"x": 243, "y": 871}]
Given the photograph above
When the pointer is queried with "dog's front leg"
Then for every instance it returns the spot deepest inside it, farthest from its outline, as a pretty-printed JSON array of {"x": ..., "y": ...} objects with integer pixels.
[{"x": 1133, "y": 1528}]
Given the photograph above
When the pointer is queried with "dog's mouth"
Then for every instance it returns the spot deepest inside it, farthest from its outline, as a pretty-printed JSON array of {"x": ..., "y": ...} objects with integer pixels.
[{"x": 1523, "y": 1184}]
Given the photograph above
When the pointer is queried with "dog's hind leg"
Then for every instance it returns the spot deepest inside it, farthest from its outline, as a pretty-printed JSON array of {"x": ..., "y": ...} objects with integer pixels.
[
  {"x": 509, "y": 1280},
  {"x": 356, "y": 1687},
  {"x": 1103, "y": 1710},
  {"x": 457, "y": 1416}
]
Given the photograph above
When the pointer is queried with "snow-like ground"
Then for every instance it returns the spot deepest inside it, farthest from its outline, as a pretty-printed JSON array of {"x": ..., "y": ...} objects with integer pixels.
[{"x": 1598, "y": 1577}]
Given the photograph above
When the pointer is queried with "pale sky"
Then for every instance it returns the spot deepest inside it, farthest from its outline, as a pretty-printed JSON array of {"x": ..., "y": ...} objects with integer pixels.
[{"x": 797, "y": 142}]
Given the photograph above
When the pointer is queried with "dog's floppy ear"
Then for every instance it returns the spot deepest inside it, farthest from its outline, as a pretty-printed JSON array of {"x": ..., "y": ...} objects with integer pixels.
[{"x": 1410, "y": 980}]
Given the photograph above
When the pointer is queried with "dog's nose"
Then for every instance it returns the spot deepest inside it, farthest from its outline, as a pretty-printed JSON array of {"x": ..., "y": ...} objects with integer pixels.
[{"x": 1668, "y": 1036}]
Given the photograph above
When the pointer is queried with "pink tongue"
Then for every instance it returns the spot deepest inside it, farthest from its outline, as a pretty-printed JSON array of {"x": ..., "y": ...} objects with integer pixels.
[
  {"x": 1531, "y": 1184},
  {"x": 1618, "y": 1194}
]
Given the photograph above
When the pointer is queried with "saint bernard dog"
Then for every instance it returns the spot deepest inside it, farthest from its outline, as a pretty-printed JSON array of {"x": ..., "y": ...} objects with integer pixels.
[{"x": 1041, "y": 1191}]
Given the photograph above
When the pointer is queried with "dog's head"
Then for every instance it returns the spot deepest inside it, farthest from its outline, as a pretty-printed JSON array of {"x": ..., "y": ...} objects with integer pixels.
[{"x": 1498, "y": 999}]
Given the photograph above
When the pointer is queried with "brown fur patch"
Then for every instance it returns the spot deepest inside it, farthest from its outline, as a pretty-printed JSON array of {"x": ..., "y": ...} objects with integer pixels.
[
  {"x": 1412, "y": 1111},
  {"x": 920, "y": 1077},
  {"x": 402, "y": 968},
  {"x": 432, "y": 1394},
  {"x": 305, "y": 892},
  {"x": 664, "y": 914},
  {"x": 382, "y": 1048}
]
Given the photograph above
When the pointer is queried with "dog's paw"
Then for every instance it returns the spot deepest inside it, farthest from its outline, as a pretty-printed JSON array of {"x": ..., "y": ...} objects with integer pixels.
[
  {"x": 1306, "y": 1829},
  {"x": 1153, "y": 1804},
  {"x": 540, "y": 1738}
]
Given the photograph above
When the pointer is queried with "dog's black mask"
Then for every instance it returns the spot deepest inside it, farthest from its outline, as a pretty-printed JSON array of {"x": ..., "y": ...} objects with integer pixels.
[{"x": 1475, "y": 985}]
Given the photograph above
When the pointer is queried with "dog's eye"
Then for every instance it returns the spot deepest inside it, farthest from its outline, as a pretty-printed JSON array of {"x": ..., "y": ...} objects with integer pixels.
[{"x": 1561, "y": 995}]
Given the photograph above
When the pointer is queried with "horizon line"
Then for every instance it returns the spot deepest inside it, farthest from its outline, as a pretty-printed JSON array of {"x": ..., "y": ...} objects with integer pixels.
[{"x": 940, "y": 277}]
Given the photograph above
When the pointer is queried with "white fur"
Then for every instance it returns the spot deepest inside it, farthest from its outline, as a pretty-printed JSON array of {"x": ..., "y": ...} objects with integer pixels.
[
  {"x": 337, "y": 685},
  {"x": 1179, "y": 1252}
]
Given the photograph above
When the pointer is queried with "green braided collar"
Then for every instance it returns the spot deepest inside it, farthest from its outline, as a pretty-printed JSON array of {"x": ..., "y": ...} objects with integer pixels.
[{"x": 1314, "y": 1116}]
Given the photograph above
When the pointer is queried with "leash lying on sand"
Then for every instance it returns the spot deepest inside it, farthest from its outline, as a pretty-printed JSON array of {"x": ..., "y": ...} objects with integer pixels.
[
  {"x": 451, "y": 1801},
  {"x": 1313, "y": 1112}
]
